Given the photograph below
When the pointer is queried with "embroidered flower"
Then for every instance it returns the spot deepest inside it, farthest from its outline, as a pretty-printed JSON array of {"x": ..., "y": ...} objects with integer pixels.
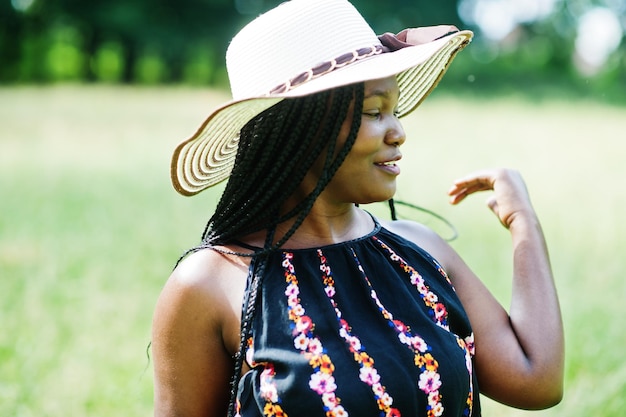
[
  {"x": 337, "y": 412},
  {"x": 298, "y": 310},
  {"x": 322, "y": 383},
  {"x": 421, "y": 286},
  {"x": 418, "y": 344},
  {"x": 469, "y": 343},
  {"x": 267, "y": 388},
  {"x": 385, "y": 401},
  {"x": 304, "y": 324},
  {"x": 393, "y": 412},
  {"x": 436, "y": 411},
  {"x": 250, "y": 352},
  {"x": 364, "y": 359},
  {"x": 330, "y": 291},
  {"x": 440, "y": 311},
  {"x": 401, "y": 327},
  {"x": 292, "y": 290},
  {"x": 330, "y": 399},
  {"x": 442, "y": 272},
  {"x": 326, "y": 365},
  {"x": 369, "y": 375},
  {"x": 315, "y": 346},
  {"x": 273, "y": 410},
  {"x": 378, "y": 390},
  {"x": 430, "y": 362},
  {"x": 437, "y": 310},
  {"x": 355, "y": 343},
  {"x": 301, "y": 342},
  {"x": 431, "y": 297},
  {"x": 429, "y": 381}
]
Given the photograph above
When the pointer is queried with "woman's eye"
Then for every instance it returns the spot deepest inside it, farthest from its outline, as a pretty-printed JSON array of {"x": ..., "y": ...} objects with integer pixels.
[{"x": 372, "y": 114}]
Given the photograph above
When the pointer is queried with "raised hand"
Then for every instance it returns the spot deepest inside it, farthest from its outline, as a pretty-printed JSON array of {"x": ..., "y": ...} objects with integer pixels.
[
  {"x": 509, "y": 200},
  {"x": 519, "y": 352}
]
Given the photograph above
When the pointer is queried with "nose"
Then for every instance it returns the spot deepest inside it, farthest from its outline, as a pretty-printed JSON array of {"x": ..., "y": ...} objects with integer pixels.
[{"x": 395, "y": 135}]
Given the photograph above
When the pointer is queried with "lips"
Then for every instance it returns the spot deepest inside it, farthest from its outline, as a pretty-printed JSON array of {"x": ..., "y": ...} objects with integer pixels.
[{"x": 390, "y": 165}]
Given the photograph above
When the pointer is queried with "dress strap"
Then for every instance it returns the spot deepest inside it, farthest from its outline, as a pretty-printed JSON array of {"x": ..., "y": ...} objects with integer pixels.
[
  {"x": 374, "y": 219},
  {"x": 246, "y": 246}
]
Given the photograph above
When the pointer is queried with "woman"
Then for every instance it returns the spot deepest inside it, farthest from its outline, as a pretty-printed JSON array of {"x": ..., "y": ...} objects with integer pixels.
[{"x": 342, "y": 313}]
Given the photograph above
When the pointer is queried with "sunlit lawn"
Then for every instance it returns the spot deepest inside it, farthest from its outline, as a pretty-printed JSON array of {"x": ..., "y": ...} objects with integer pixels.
[{"x": 90, "y": 228}]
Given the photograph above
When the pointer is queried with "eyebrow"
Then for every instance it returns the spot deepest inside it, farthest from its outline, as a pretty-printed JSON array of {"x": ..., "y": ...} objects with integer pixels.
[{"x": 378, "y": 93}]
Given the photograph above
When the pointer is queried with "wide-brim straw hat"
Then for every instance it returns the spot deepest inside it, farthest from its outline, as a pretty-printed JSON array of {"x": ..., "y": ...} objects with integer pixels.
[{"x": 303, "y": 47}]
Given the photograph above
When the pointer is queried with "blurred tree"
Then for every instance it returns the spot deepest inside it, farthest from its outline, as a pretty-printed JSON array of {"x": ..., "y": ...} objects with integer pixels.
[
  {"x": 172, "y": 30},
  {"x": 185, "y": 41},
  {"x": 20, "y": 31},
  {"x": 11, "y": 28},
  {"x": 139, "y": 26},
  {"x": 395, "y": 15}
]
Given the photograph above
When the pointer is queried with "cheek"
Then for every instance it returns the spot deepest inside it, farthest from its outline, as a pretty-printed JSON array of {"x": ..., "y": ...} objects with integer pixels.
[
  {"x": 370, "y": 137},
  {"x": 365, "y": 148},
  {"x": 356, "y": 169}
]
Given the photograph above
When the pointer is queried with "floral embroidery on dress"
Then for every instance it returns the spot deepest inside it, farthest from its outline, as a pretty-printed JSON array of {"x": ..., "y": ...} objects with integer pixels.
[
  {"x": 250, "y": 352},
  {"x": 267, "y": 387},
  {"x": 429, "y": 380},
  {"x": 367, "y": 373},
  {"x": 437, "y": 310},
  {"x": 295, "y": 369},
  {"x": 467, "y": 345},
  {"x": 322, "y": 381},
  {"x": 442, "y": 272}
]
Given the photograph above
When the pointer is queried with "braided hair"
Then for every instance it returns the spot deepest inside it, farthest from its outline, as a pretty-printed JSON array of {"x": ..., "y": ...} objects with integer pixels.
[{"x": 276, "y": 150}]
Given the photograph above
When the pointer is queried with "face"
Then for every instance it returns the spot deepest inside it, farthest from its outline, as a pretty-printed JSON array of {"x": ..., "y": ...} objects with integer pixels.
[{"x": 369, "y": 172}]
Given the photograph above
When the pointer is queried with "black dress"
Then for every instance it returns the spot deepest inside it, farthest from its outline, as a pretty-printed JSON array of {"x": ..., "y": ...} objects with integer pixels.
[{"x": 368, "y": 327}]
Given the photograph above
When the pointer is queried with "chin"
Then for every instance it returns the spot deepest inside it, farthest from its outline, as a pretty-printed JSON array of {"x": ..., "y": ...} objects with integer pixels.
[{"x": 379, "y": 197}]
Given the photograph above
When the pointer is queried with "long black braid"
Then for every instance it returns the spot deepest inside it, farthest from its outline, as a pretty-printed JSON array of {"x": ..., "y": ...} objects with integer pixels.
[{"x": 276, "y": 150}]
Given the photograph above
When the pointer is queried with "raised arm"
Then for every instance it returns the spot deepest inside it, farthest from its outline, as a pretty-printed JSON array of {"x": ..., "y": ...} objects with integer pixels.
[{"x": 519, "y": 354}]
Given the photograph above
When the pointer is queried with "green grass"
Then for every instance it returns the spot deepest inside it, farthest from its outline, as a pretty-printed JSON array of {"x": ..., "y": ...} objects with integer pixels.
[{"x": 90, "y": 228}]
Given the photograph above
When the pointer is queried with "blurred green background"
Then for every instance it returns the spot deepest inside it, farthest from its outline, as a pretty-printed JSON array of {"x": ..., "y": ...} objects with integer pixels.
[
  {"x": 575, "y": 45},
  {"x": 95, "y": 95}
]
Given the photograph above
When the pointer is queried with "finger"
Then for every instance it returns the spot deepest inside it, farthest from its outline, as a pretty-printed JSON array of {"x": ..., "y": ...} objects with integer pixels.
[
  {"x": 492, "y": 203},
  {"x": 457, "y": 197},
  {"x": 457, "y": 194},
  {"x": 470, "y": 187},
  {"x": 469, "y": 184},
  {"x": 477, "y": 184},
  {"x": 484, "y": 178}
]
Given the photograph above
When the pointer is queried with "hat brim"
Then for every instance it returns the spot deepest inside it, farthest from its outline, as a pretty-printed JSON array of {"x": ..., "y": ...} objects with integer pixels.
[{"x": 207, "y": 158}]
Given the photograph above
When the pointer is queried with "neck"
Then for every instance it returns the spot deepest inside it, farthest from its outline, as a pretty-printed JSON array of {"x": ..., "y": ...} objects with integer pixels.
[{"x": 323, "y": 226}]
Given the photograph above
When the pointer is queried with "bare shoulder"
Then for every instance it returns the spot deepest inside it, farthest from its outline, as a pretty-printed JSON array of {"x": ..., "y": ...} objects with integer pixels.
[
  {"x": 415, "y": 232},
  {"x": 205, "y": 290},
  {"x": 424, "y": 237},
  {"x": 209, "y": 273},
  {"x": 409, "y": 229}
]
